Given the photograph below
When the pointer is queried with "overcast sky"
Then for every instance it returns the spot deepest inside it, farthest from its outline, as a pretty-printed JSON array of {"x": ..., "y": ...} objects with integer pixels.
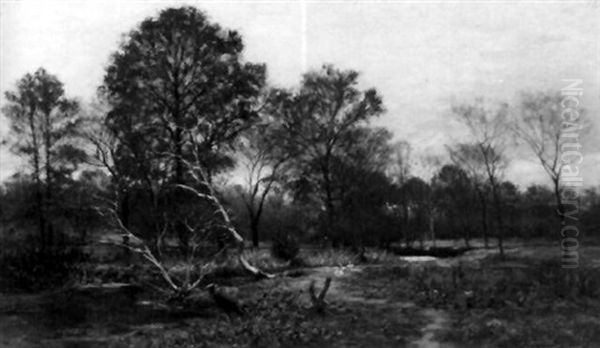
[{"x": 420, "y": 56}]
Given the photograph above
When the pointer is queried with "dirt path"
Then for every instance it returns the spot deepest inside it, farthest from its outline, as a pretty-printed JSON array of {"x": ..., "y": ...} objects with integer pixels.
[{"x": 434, "y": 320}]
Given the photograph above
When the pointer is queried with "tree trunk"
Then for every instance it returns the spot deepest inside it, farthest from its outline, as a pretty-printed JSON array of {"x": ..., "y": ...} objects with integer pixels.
[
  {"x": 179, "y": 228},
  {"x": 559, "y": 205},
  {"x": 467, "y": 238},
  {"x": 499, "y": 221},
  {"x": 254, "y": 231},
  {"x": 432, "y": 229},
  {"x": 48, "y": 197},
  {"x": 405, "y": 225},
  {"x": 329, "y": 205},
  {"x": 486, "y": 242},
  {"x": 40, "y": 211},
  {"x": 178, "y": 154},
  {"x": 484, "y": 225},
  {"x": 38, "y": 181},
  {"x": 124, "y": 216}
]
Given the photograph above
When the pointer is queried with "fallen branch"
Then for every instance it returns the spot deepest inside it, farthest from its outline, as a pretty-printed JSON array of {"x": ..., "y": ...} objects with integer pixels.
[
  {"x": 319, "y": 303},
  {"x": 258, "y": 273}
]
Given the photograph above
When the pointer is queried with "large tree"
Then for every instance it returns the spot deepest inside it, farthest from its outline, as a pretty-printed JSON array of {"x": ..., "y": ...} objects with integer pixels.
[
  {"x": 179, "y": 96},
  {"x": 43, "y": 125},
  {"x": 316, "y": 118},
  {"x": 178, "y": 81}
]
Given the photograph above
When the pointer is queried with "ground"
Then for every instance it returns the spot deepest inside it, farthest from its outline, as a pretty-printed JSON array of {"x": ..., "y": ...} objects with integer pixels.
[{"x": 473, "y": 300}]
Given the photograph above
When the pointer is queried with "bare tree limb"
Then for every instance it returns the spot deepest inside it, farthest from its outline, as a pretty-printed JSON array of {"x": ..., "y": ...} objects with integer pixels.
[{"x": 318, "y": 301}]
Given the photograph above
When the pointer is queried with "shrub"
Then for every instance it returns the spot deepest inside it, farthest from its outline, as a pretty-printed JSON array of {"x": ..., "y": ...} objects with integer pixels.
[
  {"x": 285, "y": 247},
  {"x": 29, "y": 269}
]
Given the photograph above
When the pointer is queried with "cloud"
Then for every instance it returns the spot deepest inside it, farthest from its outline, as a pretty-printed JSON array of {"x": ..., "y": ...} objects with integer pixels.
[{"x": 418, "y": 56}]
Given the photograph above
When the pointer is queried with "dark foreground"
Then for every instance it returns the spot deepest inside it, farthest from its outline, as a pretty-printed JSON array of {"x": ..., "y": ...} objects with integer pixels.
[{"x": 473, "y": 300}]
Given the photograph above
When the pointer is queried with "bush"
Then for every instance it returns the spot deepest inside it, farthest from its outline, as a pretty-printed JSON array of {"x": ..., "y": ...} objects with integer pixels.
[
  {"x": 285, "y": 247},
  {"x": 30, "y": 269}
]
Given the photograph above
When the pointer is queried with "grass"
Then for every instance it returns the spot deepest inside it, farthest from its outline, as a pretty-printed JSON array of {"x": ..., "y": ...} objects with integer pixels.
[
  {"x": 532, "y": 306},
  {"x": 525, "y": 300},
  {"x": 229, "y": 270}
]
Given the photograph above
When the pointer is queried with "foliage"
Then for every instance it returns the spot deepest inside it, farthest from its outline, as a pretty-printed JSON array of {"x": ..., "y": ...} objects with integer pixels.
[
  {"x": 178, "y": 96},
  {"x": 73, "y": 211},
  {"x": 177, "y": 77},
  {"x": 285, "y": 247},
  {"x": 516, "y": 285},
  {"x": 26, "y": 268},
  {"x": 264, "y": 161},
  {"x": 44, "y": 123},
  {"x": 456, "y": 201},
  {"x": 530, "y": 306},
  {"x": 320, "y": 123},
  {"x": 42, "y": 120}
]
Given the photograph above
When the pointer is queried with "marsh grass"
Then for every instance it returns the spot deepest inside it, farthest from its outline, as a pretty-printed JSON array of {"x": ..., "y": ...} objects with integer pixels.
[{"x": 521, "y": 302}]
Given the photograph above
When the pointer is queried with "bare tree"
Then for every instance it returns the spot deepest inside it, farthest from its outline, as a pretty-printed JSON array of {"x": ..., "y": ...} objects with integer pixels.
[
  {"x": 318, "y": 301},
  {"x": 263, "y": 160},
  {"x": 192, "y": 267},
  {"x": 489, "y": 128},
  {"x": 541, "y": 126},
  {"x": 196, "y": 258}
]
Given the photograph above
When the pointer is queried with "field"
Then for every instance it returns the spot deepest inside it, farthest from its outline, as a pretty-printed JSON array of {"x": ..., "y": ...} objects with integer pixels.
[{"x": 472, "y": 300}]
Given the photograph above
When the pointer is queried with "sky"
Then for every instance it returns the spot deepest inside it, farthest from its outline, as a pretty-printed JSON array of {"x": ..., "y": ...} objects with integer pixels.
[{"x": 421, "y": 56}]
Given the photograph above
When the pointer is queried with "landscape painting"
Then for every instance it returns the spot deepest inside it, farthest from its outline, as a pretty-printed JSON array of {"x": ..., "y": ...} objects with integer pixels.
[{"x": 299, "y": 173}]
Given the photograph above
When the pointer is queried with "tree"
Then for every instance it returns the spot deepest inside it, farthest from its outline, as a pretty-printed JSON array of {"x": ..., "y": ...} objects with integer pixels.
[
  {"x": 315, "y": 119},
  {"x": 511, "y": 199},
  {"x": 179, "y": 77},
  {"x": 18, "y": 204},
  {"x": 590, "y": 203},
  {"x": 399, "y": 168},
  {"x": 453, "y": 190},
  {"x": 43, "y": 124},
  {"x": 536, "y": 207},
  {"x": 177, "y": 88},
  {"x": 363, "y": 187},
  {"x": 541, "y": 126},
  {"x": 488, "y": 127},
  {"x": 263, "y": 160},
  {"x": 399, "y": 171},
  {"x": 179, "y": 97},
  {"x": 469, "y": 157},
  {"x": 419, "y": 209}
]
